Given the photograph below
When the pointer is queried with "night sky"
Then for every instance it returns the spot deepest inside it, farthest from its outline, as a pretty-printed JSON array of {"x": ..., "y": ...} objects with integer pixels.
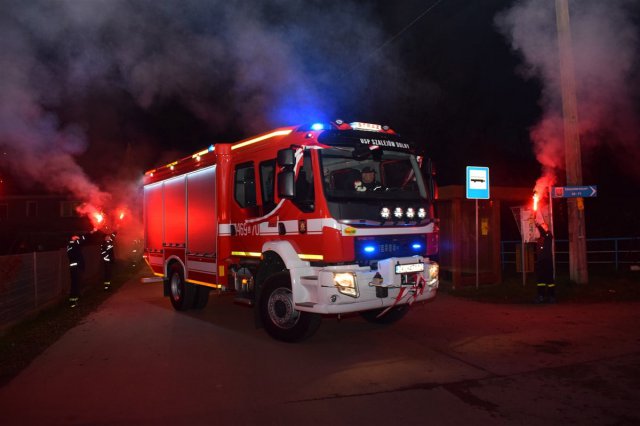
[{"x": 95, "y": 92}]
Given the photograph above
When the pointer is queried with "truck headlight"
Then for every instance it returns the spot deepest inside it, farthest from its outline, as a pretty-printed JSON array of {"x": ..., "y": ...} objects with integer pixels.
[
  {"x": 346, "y": 283},
  {"x": 433, "y": 271}
]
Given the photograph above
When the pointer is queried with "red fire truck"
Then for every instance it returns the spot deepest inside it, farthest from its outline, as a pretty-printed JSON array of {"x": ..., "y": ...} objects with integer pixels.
[{"x": 299, "y": 222}]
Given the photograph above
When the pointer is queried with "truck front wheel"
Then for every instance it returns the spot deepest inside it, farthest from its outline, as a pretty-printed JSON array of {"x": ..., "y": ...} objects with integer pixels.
[
  {"x": 181, "y": 293},
  {"x": 279, "y": 316}
]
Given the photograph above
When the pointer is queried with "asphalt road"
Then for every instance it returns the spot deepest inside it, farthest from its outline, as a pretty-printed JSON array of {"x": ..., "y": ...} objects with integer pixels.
[{"x": 449, "y": 362}]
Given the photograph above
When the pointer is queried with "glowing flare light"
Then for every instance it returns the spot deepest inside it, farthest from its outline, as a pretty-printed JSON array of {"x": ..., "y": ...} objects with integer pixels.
[{"x": 536, "y": 199}]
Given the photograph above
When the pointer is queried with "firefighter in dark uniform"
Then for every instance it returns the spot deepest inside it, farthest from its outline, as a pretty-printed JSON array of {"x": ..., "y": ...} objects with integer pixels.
[
  {"x": 108, "y": 259},
  {"x": 76, "y": 266},
  {"x": 544, "y": 266}
]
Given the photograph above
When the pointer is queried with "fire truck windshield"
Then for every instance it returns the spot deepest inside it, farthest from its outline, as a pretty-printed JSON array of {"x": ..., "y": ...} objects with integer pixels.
[{"x": 378, "y": 174}]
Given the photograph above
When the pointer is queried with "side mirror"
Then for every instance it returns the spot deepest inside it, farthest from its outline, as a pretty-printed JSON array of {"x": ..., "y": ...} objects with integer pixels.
[
  {"x": 286, "y": 158},
  {"x": 286, "y": 183},
  {"x": 429, "y": 171}
]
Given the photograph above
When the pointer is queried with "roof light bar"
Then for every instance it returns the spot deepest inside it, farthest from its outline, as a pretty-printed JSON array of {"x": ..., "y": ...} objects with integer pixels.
[{"x": 357, "y": 125}]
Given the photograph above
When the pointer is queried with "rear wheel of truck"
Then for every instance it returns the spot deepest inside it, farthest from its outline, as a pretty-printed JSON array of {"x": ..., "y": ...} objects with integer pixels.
[
  {"x": 181, "y": 293},
  {"x": 279, "y": 316},
  {"x": 394, "y": 314}
]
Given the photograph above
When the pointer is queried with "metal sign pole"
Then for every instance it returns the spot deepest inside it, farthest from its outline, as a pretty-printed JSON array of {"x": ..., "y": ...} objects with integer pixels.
[
  {"x": 477, "y": 187},
  {"x": 553, "y": 233},
  {"x": 477, "y": 267},
  {"x": 518, "y": 218},
  {"x": 524, "y": 273}
]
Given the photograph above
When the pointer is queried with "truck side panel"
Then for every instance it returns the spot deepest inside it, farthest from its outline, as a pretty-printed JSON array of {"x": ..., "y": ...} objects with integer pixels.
[
  {"x": 175, "y": 217},
  {"x": 202, "y": 227},
  {"x": 154, "y": 216},
  {"x": 202, "y": 230},
  {"x": 153, "y": 223}
]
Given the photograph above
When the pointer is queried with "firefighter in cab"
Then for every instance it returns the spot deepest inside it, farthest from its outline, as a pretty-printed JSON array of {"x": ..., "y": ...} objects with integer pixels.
[
  {"x": 544, "y": 265},
  {"x": 76, "y": 266},
  {"x": 108, "y": 259},
  {"x": 368, "y": 181}
]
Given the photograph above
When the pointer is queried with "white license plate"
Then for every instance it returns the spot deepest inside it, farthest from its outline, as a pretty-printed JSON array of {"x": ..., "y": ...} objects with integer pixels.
[{"x": 409, "y": 267}]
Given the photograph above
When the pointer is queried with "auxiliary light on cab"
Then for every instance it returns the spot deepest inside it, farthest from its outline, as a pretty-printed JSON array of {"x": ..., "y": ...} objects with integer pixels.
[
  {"x": 317, "y": 126},
  {"x": 398, "y": 212},
  {"x": 385, "y": 213}
]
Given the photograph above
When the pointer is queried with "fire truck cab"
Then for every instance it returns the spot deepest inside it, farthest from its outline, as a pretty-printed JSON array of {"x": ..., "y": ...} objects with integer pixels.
[{"x": 299, "y": 222}]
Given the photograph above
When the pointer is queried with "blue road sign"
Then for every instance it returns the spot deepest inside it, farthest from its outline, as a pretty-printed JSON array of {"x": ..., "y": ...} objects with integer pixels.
[
  {"x": 477, "y": 182},
  {"x": 574, "y": 191}
]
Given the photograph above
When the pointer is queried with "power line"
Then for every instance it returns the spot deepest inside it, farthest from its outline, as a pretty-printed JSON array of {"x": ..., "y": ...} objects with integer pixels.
[
  {"x": 412, "y": 23},
  {"x": 398, "y": 34}
]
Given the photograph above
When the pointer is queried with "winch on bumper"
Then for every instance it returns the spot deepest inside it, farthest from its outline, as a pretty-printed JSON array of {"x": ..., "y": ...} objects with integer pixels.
[{"x": 351, "y": 288}]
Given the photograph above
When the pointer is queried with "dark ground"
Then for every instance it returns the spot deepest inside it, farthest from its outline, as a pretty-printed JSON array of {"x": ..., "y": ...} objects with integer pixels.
[{"x": 24, "y": 342}]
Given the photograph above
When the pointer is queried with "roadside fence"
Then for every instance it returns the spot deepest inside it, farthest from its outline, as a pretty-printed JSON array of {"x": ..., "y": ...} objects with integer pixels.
[
  {"x": 31, "y": 282},
  {"x": 619, "y": 254}
]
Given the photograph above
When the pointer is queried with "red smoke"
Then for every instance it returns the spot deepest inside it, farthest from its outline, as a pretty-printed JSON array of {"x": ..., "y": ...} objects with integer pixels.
[
  {"x": 105, "y": 221},
  {"x": 604, "y": 40}
]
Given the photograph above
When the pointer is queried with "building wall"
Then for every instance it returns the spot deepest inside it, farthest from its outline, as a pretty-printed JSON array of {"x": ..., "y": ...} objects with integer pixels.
[
  {"x": 458, "y": 234},
  {"x": 37, "y": 223}
]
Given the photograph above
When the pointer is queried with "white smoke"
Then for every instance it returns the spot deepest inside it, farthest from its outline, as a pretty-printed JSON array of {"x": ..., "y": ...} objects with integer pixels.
[
  {"x": 227, "y": 62},
  {"x": 605, "y": 52}
]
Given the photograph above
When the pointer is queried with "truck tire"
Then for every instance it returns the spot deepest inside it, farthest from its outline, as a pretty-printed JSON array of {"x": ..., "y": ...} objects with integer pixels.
[
  {"x": 202, "y": 297},
  {"x": 279, "y": 316},
  {"x": 394, "y": 314},
  {"x": 181, "y": 293}
]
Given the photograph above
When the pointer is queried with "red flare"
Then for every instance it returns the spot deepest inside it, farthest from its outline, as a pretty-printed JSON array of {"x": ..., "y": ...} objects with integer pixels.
[
  {"x": 95, "y": 215},
  {"x": 536, "y": 199}
]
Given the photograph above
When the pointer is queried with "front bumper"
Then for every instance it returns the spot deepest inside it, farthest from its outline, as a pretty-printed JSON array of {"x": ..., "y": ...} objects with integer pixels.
[{"x": 373, "y": 289}]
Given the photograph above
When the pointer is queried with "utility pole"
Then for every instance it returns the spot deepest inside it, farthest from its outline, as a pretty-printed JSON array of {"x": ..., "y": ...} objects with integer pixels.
[{"x": 573, "y": 161}]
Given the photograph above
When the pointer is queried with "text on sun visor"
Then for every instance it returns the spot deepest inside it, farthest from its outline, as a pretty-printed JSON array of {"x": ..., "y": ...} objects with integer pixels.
[{"x": 382, "y": 142}]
